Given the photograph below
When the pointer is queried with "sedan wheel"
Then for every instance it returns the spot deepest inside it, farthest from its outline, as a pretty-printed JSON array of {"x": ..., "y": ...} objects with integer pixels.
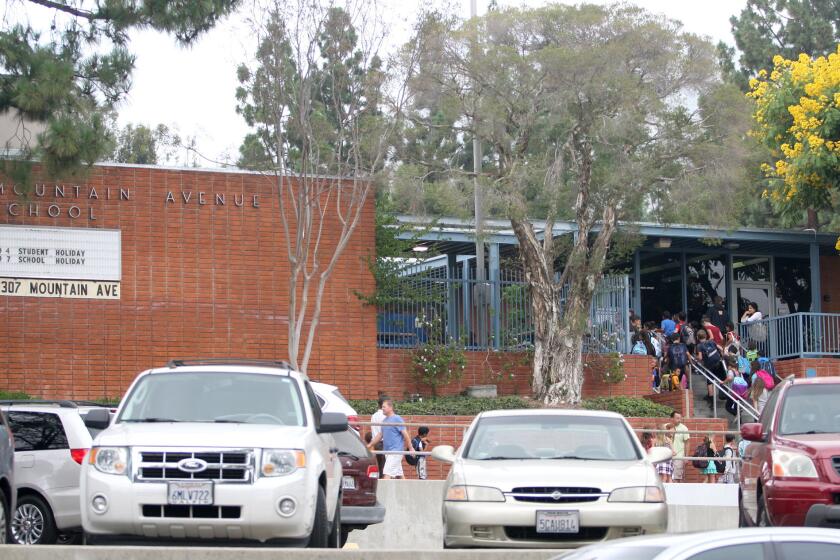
[{"x": 32, "y": 522}]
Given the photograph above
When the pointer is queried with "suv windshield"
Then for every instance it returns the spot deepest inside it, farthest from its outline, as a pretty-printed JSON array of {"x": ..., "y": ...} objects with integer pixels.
[
  {"x": 551, "y": 437},
  {"x": 811, "y": 409},
  {"x": 215, "y": 397}
]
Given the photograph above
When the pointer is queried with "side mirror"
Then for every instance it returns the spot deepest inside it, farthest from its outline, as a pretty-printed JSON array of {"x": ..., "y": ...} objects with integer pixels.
[
  {"x": 332, "y": 422},
  {"x": 752, "y": 432},
  {"x": 444, "y": 453},
  {"x": 98, "y": 419},
  {"x": 659, "y": 454}
]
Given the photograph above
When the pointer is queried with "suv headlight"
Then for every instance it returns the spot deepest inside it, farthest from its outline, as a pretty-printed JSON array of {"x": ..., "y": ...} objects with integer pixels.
[
  {"x": 637, "y": 494},
  {"x": 280, "y": 462},
  {"x": 110, "y": 460},
  {"x": 463, "y": 493},
  {"x": 791, "y": 463}
]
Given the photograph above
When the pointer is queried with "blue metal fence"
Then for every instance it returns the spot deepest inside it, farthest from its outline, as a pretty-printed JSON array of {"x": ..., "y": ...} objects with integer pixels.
[
  {"x": 491, "y": 314},
  {"x": 795, "y": 335}
]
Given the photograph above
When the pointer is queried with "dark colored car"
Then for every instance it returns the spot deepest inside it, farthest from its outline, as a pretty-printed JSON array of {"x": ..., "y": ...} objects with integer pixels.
[
  {"x": 7, "y": 458},
  {"x": 360, "y": 476},
  {"x": 793, "y": 459}
]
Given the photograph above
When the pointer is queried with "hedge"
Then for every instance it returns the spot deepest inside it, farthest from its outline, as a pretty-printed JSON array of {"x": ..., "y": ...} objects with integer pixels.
[
  {"x": 628, "y": 406},
  {"x": 447, "y": 406}
]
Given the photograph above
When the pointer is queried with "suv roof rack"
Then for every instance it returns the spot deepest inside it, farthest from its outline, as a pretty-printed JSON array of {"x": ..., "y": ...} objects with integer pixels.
[
  {"x": 228, "y": 362},
  {"x": 61, "y": 403}
]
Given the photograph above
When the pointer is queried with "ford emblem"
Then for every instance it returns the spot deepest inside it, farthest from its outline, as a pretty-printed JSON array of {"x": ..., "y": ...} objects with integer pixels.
[
  {"x": 556, "y": 495},
  {"x": 192, "y": 465}
]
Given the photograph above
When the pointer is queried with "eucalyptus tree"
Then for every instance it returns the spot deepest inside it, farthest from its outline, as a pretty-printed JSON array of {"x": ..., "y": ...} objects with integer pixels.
[{"x": 587, "y": 113}]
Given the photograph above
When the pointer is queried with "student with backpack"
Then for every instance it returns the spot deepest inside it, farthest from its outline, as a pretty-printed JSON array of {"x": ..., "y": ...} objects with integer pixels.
[
  {"x": 678, "y": 359},
  {"x": 708, "y": 468},
  {"x": 420, "y": 442},
  {"x": 731, "y": 472},
  {"x": 709, "y": 354}
]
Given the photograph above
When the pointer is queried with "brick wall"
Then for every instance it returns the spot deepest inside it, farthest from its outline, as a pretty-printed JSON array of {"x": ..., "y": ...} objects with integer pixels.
[
  {"x": 830, "y": 287},
  {"x": 395, "y": 375},
  {"x": 453, "y": 436},
  {"x": 197, "y": 280},
  {"x": 680, "y": 400},
  {"x": 824, "y": 367}
]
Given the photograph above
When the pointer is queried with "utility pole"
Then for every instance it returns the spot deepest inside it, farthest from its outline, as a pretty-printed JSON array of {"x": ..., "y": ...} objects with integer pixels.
[{"x": 480, "y": 274}]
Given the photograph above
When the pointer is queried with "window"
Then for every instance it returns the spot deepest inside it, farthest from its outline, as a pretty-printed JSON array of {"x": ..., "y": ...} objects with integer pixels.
[
  {"x": 751, "y": 269},
  {"x": 245, "y": 398},
  {"x": 313, "y": 402},
  {"x": 793, "y": 286},
  {"x": 37, "y": 431},
  {"x": 551, "y": 437},
  {"x": 811, "y": 409},
  {"x": 769, "y": 410},
  {"x": 813, "y": 550},
  {"x": 706, "y": 278},
  {"x": 349, "y": 442},
  {"x": 749, "y": 551}
]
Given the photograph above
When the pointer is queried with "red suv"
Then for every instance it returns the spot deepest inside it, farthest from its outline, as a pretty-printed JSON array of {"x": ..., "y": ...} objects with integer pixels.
[
  {"x": 793, "y": 459},
  {"x": 360, "y": 476}
]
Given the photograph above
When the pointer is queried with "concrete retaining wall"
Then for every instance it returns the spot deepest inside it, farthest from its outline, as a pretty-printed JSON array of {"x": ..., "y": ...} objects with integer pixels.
[
  {"x": 12, "y": 552},
  {"x": 413, "y": 518}
]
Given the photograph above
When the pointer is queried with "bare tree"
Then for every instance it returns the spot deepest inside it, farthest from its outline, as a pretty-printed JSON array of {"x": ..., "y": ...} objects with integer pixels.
[{"x": 323, "y": 109}]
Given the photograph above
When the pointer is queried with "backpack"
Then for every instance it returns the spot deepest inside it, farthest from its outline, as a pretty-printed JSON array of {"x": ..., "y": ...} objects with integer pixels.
[
  {"x": 678, "y": 355},
  {"x": 687, "y": 334},
  {"x": 415, "y": 445},
  {"x": 639, "y": 348},
  {"x": 711, "y": 354},
  {"x": 657, "y": 345},
  {"x": 769, "y": 382},
  {"x": 743, "y": 364},
  {"x": 700, "y": 451},
  {"x": 720, "y": 465}
]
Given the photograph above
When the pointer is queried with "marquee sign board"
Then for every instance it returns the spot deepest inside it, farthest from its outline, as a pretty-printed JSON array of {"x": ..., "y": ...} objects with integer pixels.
[{"x": 53, "y": 253}]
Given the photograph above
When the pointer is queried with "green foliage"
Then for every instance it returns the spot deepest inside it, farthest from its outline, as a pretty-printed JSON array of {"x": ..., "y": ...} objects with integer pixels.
[
  {"x": 441, "y": 359},
  {"x": 14, "y": 396},
  {"x": 613, "y": 371},
  {"x": 766, "y": 28},
  {"x": 447, "y": 406},
  {"x": 62, "y": 80},
  {"x": 142, "y": 145},
  {"x": 628, "y": 406}
]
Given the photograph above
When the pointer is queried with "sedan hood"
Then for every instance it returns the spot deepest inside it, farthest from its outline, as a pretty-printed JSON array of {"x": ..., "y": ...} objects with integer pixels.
[
  {"x": 508, "y": 474},
  {"x": 195, "y": 434}
]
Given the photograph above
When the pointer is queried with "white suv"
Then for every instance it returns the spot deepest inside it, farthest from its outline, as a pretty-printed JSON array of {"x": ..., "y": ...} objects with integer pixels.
[
  {"x": 216, "y": 449},
  {"x": 51, "y": 441}
]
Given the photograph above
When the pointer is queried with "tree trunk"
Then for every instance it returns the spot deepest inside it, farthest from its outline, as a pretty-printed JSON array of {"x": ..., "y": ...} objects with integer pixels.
[
  {"x": 558, "y": 364},
  {"x": 813, "y": 219}
]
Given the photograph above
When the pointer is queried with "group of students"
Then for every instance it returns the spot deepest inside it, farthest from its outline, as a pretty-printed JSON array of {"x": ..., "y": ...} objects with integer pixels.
[{"x": 717, "y": 346}]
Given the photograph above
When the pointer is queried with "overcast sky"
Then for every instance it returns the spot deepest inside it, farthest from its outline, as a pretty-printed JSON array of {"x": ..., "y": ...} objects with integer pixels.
[{"x": 192, "y": 90}]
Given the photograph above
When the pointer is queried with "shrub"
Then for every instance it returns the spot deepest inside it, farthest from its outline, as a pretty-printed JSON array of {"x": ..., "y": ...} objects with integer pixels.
[
  {"x": 628, "y": 406},
  {"x": 14, "y": 396},
  {"x": 447, "y": 406}
]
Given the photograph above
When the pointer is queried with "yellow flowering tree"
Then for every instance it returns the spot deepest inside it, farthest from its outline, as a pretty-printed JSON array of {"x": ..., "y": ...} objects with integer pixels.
[{"x": 797, "y": 116}]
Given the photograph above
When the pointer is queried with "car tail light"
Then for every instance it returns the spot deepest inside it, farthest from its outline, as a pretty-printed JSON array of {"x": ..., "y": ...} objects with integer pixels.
[
  {"x": 372, "y": 471},
  {"x": 353, "y": 421},
  {"x": 78, "y": 455}
]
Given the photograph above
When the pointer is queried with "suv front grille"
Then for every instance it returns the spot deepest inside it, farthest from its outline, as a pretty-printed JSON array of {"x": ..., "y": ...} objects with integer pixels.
[
  {"x": 555, "y": 494},
  {"x": 222, "y": 465},
  {"x": 192, "y": 512}
]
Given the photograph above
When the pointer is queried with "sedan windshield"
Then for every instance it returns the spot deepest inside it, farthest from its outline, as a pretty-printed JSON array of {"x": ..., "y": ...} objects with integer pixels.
[
  {"x": 616, "y": 553},
  {"x": 811, "y": 409},
  {"x": 215, "y": 397},
  {"x": 551, "y": 437}
]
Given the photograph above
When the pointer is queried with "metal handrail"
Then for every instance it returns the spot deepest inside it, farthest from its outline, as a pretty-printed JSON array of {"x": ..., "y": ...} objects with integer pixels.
[{"x": 740, "y": 403}]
